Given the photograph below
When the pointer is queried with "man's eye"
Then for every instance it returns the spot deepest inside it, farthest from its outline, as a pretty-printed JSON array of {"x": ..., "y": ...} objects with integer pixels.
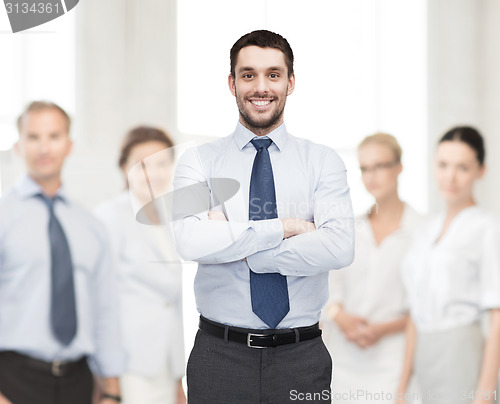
[
  {"x": 247, "y": 76},
  {"x": 274, "y": 75}
]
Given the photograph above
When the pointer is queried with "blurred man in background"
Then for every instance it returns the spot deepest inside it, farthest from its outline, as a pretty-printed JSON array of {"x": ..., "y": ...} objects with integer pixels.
[{"x": 58, "y": 297}]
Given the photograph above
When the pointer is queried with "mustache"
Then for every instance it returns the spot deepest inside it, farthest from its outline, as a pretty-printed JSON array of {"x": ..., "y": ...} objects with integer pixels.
[{"x": 263, "y": 97}]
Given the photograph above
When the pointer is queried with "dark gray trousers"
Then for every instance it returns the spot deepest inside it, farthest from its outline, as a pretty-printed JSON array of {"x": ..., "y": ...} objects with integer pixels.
[
  {"x": 225, "y": 372},
  {"x": 24, "y": 384}
]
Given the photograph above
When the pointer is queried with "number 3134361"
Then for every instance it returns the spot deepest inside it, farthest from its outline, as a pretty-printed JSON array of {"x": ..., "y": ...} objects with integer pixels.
[{"x": 35, "y": 8}]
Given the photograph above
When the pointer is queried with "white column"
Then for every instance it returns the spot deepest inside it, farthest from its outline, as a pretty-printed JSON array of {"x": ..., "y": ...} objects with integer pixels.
[
  {"x": 489, "y": 101},
  {"x": 453, "y": 73},
  {"x": 464, "y": 82},
  {"x": 126, "y": 65}
]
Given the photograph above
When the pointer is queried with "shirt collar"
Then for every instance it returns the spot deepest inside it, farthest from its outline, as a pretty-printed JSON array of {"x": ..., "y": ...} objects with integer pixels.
[
  {"x": 27, "y": 187},
  {"x": 243, "y": 135},
  {"x": 409, "y": 218}
]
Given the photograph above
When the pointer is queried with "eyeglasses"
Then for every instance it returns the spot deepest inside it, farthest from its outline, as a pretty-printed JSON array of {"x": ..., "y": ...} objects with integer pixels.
[{"x": 378, "y": 167}]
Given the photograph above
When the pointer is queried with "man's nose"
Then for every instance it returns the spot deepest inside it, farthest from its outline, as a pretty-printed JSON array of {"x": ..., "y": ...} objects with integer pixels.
[
  {"x": 44, "y": 147},
  {"x": 261, "y": 85}
]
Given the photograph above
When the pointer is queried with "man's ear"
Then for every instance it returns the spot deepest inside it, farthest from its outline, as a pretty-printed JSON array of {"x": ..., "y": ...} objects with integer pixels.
[
  {"x": 17, "y": 148},
  {"x": 291, "y": 84},
  {"x": 70, "y": 147},
  {"x": 232, "y": 85}
]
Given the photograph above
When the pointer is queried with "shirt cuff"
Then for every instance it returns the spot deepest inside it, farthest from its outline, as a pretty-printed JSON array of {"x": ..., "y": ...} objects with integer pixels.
[
  {"x": 111, "y": 364},
  {"x": 269, "y": 233},
  {"x": 262, "y": 262}
]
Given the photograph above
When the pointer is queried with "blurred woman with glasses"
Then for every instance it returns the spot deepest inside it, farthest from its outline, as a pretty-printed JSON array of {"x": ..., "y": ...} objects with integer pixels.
[{"x": 367, "y": 313}]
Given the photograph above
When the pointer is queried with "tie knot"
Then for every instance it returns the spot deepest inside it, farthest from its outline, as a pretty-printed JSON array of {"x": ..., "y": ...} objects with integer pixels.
[
  {"x": 261, "y": 143},
  {"x": 48, "y": 200}
]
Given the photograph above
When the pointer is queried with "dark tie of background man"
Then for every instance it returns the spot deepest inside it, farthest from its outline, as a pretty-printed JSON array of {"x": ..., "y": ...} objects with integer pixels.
[{"x": 62, "y": 304}]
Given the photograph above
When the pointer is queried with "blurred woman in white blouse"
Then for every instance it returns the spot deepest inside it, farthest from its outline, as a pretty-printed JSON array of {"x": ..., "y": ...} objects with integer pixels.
[
  {"x": 149, "y": 272},
  {"x": 367, "y": 314},
  {"x": 452, "y": 277}
]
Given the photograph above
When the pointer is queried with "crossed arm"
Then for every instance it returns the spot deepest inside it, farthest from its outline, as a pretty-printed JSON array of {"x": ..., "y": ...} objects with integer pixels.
[{"x": 290, "y": 246}]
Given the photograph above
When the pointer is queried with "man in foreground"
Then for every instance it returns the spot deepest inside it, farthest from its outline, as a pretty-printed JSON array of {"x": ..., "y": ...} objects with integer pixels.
[{"x": 265, "y": 253}]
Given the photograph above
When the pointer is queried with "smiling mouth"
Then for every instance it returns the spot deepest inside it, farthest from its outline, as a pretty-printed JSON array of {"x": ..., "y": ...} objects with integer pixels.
[{"x": 260, "y": 103}]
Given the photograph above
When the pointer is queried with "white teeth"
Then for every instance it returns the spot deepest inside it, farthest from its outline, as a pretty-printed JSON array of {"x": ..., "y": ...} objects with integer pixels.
[{"x": 260, "y": 103}]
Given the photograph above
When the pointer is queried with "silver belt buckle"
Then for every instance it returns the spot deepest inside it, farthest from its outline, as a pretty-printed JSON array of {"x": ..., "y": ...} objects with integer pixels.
[
  {"x": 56, "y": 368},
  {"x": 249, "y": 340}
]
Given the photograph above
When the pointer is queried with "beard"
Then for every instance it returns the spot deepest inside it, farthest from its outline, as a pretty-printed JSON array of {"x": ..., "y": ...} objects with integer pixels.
[{"x": 256, "y": 120}]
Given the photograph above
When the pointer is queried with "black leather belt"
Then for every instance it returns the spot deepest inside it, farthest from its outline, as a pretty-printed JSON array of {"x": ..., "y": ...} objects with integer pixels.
[
  {"x": 259, "y": 338},
  {"x": 56, "y": 368}
]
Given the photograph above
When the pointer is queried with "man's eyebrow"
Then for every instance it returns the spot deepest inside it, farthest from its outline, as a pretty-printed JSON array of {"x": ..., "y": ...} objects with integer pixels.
[
  {"x": 246, "y": 69},
  {"x": 271, "y": 68}
]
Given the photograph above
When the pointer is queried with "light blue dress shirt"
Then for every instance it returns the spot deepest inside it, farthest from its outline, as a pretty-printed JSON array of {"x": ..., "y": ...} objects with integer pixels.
[
  {"x": 310, "y": 182},
  {"x": 25, "y": 276}
]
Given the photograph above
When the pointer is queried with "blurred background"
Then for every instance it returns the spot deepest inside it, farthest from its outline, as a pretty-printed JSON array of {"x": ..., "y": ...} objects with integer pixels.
[{"x": 412, "y": 68}]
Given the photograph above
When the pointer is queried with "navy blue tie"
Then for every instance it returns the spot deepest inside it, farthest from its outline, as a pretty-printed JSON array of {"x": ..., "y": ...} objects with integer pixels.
[
  {"x": 62, "y": 302},
  {"x": 269, "y": 292}
]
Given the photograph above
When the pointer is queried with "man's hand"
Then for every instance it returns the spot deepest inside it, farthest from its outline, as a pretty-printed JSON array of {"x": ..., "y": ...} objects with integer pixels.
[
  {"x": 110, "y": 385},
  {"x": 293, "y": 226},
  {"x": 216, "y": 215},
  {"x": 4, "y": 400},
  {"x": 181, "y": 397}
]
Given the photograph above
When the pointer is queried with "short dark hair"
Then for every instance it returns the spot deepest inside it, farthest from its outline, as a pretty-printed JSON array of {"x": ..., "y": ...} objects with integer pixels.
[
  {"x": 469, "y": 136},
  {"x": 35, "y": 106},
  {"x": 143, "y": 134},
  {"x": 262, "y": 39}
]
